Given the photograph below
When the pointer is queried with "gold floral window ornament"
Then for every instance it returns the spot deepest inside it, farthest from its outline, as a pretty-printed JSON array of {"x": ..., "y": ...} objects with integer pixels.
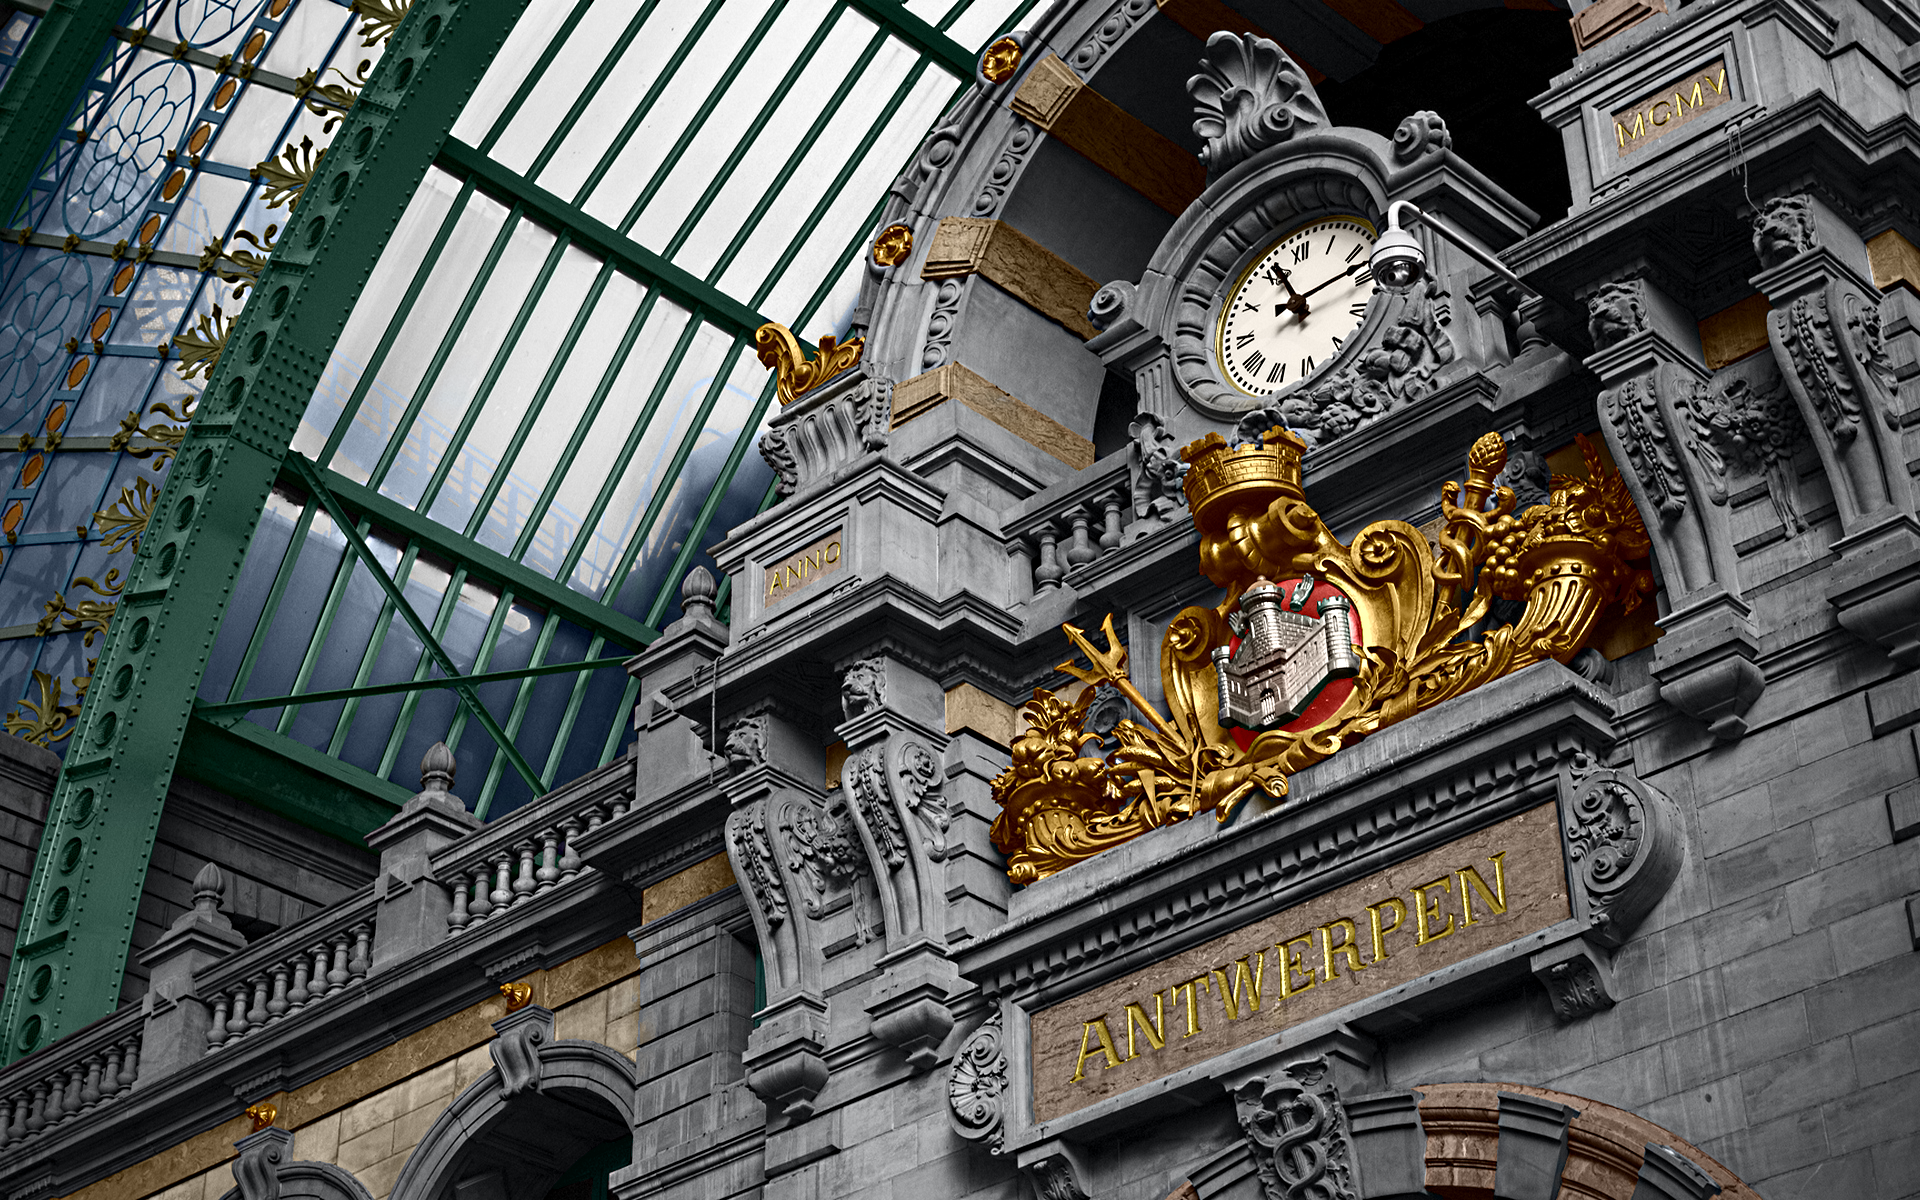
[{"x": 1407, "y": 608}]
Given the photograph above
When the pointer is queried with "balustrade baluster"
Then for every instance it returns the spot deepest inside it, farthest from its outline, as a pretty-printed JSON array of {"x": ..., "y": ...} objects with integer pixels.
[
  {"x": 569, "y": 861},
  {"x": 1111, "y": 535},
  {"x": 318, "y": 984},
  {"x": 277, "y": 1005},
  {"x": 338, "y": 976},
  {"x": 482, "y": 892},
  {"x": 90, "y": 1089},
  {"x": 596, "y": 817},
  {"x": 1048, "y": 573},
  {"x": 549, "y": 872},
  {"x": 257, "y": 1015},
  {"x": 1081, "y": 551},
  {"x": 130, "y": 1067},
  {"x": 37, "y": 1109},
  {"x": 459, "y": 919},
  {"x": 362, "y": 950},
  {"x": 217, "y": 1031},
  {"x": 524, "y": 882},
  {"x": 298, "y": 993},
  {"x": 622, "y": 805},
  {"x": 110, "y": 1081},
  {"x": 17, "y": 1128},
  {"x": 237, "y": 1023},
  {"x": 502, "y": 894},
  {"x": 76, "y": 1074}
]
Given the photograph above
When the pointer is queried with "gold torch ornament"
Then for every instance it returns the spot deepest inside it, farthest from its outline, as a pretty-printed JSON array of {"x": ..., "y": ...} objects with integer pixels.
[{"x": 1569, "y": 561}]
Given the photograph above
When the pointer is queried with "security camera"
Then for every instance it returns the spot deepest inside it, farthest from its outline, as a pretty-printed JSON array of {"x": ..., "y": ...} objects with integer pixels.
[{"x": 1397, "y": 259}]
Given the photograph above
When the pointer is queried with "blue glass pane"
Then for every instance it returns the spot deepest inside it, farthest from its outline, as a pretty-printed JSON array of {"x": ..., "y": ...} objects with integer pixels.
[
  {"x": 264, "y": 555},
  {"x": 206, "y": 23},
  {"x": 298, "y": 615},
  {"x": 29, "y": 576},
  {"x": 73, "y": 489},
  {"x": 124, "y": 159},
  {"x": 545, "y": 709},
  {"x": 44, "y": 305}
]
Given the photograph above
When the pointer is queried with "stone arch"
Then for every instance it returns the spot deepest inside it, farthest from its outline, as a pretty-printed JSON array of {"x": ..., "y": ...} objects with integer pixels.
[
  {"x": 313, "y": 1181},
  {"x": 503, "y": 1141},
  {"x": 1606, "y": 1145}
]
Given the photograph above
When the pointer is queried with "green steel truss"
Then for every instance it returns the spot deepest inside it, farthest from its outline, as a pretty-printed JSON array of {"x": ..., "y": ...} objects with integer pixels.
[{"x": 144, "y": 718}]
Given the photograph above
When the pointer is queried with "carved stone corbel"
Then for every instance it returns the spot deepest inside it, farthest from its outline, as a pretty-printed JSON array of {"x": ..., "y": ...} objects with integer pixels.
[
  {"x": 519, "y": 1039},
  {"x": 1578, "y": 979},
  {"x": 895, "y": 781},
  {"x": 1625, "y": 843},
  {"x": 1825, "y": 329},
  {"x": 1647, "y": 355},
  {"x": 256, "y": 1169},
  {"x": 1057, "y": 1170}
]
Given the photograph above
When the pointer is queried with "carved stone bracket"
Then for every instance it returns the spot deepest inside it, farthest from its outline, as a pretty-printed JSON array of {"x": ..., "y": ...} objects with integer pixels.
[
  {"x": 786, "y": 1060},
  {"x": 1578, "y": 979},
  {"x": 977, "y": 1085},
  {"x": 519, "y": 1039},
  {"x": 1057, "y": 1171},
  {"x": 256, "y": 1170},
  {"x": 1826, "y": 334},
  {"x": 1625, "y": 843}
]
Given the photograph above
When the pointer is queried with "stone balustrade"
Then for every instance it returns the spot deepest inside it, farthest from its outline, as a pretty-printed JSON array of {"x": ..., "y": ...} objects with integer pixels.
[
  {"x": 280, "y": 975},
  {"x": 76, "y": 1075}
]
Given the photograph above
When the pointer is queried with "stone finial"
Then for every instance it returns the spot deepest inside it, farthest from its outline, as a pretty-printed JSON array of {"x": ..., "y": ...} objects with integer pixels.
[
  {"x": 697, "y": 593},
  {"x": 437, "y": 769},
  {"x": 209, "y": 890}
]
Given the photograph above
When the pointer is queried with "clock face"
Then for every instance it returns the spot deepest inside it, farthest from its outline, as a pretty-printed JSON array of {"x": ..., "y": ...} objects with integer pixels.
[{"x": 1294, "y": 308}]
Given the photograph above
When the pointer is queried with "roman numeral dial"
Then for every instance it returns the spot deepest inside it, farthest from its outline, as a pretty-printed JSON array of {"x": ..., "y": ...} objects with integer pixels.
[{"x": 1294, "y": 308}]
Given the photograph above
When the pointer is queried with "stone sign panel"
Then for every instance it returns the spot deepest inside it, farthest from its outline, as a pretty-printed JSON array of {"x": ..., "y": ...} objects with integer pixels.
[
  {"x": 803, "y": 568},
  {"x": 1443, "y": 907},
  {"x": 1671, "y": 107}
]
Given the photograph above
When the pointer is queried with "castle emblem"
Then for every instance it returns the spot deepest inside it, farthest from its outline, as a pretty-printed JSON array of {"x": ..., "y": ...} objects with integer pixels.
[{"x": 1285, "y": 655}]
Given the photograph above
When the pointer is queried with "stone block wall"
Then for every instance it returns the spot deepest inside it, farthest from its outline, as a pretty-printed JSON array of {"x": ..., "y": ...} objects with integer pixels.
[{"x": 27, "y": 774}]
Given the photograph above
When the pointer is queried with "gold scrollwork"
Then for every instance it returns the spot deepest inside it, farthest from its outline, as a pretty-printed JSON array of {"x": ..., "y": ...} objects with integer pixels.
[
  {"x": 285, "y": 176},
  {"x": 1568, "y": 561},
  {"x": 779, "y": 351}
]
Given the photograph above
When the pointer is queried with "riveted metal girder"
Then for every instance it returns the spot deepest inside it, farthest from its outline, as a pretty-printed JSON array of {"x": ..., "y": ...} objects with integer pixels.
[{"x": 79, "y": 913}]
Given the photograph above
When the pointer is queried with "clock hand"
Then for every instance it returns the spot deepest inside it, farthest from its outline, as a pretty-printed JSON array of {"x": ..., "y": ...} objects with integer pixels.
[
  {"x": 1330, "y": 282},
  {"x": 1296, "y": 303}
]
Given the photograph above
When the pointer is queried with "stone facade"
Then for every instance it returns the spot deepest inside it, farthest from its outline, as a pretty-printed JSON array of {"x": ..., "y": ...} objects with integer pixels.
[{"x": 775, "y": 951}]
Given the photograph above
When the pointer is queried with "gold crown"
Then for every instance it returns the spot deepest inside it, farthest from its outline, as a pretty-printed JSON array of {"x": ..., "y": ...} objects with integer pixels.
[{"x": 1221, "y": 477}]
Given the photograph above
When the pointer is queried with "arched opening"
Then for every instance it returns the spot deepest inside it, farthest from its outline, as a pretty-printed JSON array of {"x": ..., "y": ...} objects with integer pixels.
[{"x": 570, "y": 1122}]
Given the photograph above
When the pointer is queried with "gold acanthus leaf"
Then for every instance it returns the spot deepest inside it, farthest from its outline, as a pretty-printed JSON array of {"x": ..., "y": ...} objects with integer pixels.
[
  {"x": 780, "y": 352},
  {"x": 331, "y": 100},
  {"x": 49, "y": 720},
  {"x": 126, "y": 518},
  {"x": 200, "y": 349},
  {"x": 286, "y": 175},
  {"x": 382, "y": 19}
]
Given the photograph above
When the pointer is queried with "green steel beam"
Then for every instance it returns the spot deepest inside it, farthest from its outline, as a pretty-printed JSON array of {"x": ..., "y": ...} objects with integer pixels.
[
  {"x": 461, "y": 686},
  {"x": 235, "y": 708},
  {"x": 599, "y": 237},
  {"x": 923, "y": 37},
  {"x": 129, "y": 736},
  {"x": 283, "y": 776},
  {"x": 484, "y": 561},
  {"x": 61, "y": 55}
]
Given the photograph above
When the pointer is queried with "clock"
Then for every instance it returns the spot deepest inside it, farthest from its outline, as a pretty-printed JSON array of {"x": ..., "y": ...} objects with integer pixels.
[{"x": 1293, "y": 308}]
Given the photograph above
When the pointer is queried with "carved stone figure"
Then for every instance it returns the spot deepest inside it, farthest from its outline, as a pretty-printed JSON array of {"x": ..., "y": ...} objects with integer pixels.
[
  {"x": 1156, "y": 470},
  {"x": 1297, "y": 1131},
  {"x": 822, "y": 848},
  {"x": 863, "y": 689},
  {"x": 975, "y": 1084},
  {"x": 1422, "y": 133},
  {"x": 1249, "y": 95},
  {"x": 1740, "y": 429},
  {"x": 1783, "y": 228},
  {"x": 747, "y": 743},
  {"x": 1614, "y": 312}
]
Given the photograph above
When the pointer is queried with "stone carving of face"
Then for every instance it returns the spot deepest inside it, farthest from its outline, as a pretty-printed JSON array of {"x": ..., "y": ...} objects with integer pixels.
[
  {"x": 1613, "y": 312},
  {"x": 1783, "y": 229}
]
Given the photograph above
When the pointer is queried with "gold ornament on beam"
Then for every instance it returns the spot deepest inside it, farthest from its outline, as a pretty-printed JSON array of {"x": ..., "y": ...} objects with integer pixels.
[
  {"x": 1580, "y": 555},
  {"x": 779, "y": 351}
]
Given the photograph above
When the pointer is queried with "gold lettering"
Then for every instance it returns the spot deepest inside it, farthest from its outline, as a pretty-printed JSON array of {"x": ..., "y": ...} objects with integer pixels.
[
  {"x": 1719, "y": 85},
  {"x": 1470, "y": 882},
  {"x": 1246, "y": 970},
  {"x": 1697, "y": 98},
  {"x": 1292, "y": 960},
  {"x": 833, "y": 552},
  {"x": 1380, "y": 931},
  {"x": 793, "y": 573},
  {"x": 1620, "y": 131},
  {"x": 1654, "y": 113},
  {"x": 1349, "y": 947},
  {"x": 1097, "y": 1025},
  {"x": 1193, "y": 1015},
  {"x": 773, "y": 584},
  {"x": 812, "y": 562},
  {"x": 1639, "y": 124},
  {"x": 1156, "y": 1030},
  {"x": 1425, "y": 910}
]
